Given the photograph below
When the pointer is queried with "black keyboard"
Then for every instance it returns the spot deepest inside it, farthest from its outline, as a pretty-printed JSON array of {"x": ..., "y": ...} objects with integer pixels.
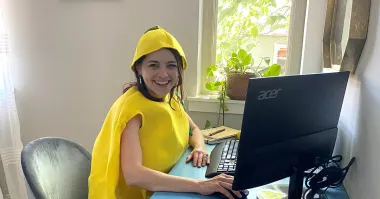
[{"x": 223, "y": 159}]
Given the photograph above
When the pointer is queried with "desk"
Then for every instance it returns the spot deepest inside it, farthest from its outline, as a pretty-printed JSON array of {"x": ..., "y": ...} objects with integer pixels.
[{"x": 187, "y": 170}]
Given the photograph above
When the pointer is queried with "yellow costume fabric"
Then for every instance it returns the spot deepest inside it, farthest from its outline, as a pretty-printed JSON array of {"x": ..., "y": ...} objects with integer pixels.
[
  {"x": 156, "y": 39},
  {"x": 164, "y": 133},
  {"x": 164, "y": 137}
]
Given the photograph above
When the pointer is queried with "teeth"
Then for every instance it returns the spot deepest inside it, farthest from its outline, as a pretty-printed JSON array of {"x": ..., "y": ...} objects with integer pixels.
[{"x": 162, "y": 82}]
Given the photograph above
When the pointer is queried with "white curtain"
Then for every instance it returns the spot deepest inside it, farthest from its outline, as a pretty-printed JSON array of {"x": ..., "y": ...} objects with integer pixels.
[
  {"x": 1, "y": 194},
  {"x": 10, "y": 141}
]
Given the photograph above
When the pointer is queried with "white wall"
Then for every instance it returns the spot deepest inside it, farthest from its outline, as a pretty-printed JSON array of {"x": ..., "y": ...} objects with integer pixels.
[
  {"x": 71, "y": 58},
  {"x": 360, "y": 120}
]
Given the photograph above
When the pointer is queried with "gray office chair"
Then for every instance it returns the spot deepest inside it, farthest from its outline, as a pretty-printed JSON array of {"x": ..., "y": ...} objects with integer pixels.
[{"x": 56, "y": 168}]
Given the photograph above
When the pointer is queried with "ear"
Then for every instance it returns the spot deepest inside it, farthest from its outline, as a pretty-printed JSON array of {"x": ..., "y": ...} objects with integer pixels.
[{"x": 138, "y": 69}]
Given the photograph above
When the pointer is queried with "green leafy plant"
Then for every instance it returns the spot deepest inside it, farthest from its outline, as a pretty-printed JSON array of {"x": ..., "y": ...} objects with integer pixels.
[
  {"x": 240, "y": 62},
  {"x": 240, "y": 22},
  {"x": 217, "y": 83}
]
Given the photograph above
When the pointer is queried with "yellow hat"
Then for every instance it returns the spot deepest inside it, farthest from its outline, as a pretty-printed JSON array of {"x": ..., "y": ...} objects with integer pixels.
[{"x": 155, "y": 39}]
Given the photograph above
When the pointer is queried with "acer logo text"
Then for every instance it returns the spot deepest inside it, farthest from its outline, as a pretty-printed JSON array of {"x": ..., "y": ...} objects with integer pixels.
[{"x": 269, "y": 94}]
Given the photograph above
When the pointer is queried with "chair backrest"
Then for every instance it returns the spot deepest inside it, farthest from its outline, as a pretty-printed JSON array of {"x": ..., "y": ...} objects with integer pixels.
[{"x": 56, "y": 168}]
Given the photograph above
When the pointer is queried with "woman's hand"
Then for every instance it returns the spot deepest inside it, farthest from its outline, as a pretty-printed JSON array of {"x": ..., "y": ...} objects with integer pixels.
[
  {"x": 220, "y": 183},
  {"x": 199, "y": 156}
]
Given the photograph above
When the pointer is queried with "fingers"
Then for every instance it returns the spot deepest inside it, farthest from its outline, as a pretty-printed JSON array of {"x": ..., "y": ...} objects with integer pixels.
[
  {"x": 229, "y": 186},
  {"x": 189, "y": 157},
  {"x": 200, "y": 159},
  {"x": 224, "y": 191},
  {"x": 225, "y": 178},
  {"x": 195, "y": 159},
  {"x": 228, "y": 176},
  {"x": 205, "y": 160}
]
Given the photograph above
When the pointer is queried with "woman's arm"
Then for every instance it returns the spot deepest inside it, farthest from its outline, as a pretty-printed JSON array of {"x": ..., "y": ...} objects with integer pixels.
[
  {"x": 196, "y": 140},
  {"x": 199, "y": 154},
  {"x": 136, "y": 174}
]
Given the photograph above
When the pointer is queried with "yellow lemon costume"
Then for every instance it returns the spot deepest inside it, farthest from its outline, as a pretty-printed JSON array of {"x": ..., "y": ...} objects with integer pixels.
[{"x": 164, "y": 133}]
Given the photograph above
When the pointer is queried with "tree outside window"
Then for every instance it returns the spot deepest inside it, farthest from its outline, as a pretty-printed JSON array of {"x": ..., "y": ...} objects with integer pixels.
[{"x": 255, "y": 26}]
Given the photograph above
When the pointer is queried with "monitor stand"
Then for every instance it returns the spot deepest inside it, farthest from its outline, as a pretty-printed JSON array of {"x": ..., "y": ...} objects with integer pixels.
[
  {"x": 296, "y": 184},
  {"x": 293, "y": 190}
]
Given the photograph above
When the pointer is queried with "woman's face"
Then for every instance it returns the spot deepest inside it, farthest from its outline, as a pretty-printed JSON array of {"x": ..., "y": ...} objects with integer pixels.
[{"x": 159, "y": 71}]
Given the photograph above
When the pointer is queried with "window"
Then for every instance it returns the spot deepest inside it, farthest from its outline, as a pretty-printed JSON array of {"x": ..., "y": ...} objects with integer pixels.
[
  {"x": 300, "y": 51},
  {"x": 254, "y": 26},
  {"x": 263, "y": 28}
]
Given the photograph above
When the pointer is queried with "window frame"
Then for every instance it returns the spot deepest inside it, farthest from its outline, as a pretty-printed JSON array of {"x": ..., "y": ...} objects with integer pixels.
[
  {"x": 304, "y": 53},
  {"x": 208, "y": 38}
]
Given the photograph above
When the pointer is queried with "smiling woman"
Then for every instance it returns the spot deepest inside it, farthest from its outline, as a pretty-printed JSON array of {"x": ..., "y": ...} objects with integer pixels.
[
  {"x": 147, "y": 130},
  {"x": 159, "y": 59},
  {"x": 158, "y": 74}
]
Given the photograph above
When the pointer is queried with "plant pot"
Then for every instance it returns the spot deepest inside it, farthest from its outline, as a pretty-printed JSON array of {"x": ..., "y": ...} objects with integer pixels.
[{"x": 237, "y": 85}]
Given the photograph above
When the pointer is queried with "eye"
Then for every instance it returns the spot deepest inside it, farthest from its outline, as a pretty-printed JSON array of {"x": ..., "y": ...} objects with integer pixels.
[
  {"x": 172, "y": 65},
  {"x": 153, "y": 65}
]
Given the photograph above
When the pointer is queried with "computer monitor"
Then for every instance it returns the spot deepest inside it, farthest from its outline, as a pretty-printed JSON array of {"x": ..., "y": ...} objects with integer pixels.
[{"x": 288, "y": 122}]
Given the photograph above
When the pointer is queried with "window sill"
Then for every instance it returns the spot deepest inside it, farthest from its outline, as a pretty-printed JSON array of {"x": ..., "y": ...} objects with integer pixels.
[{"x": 210, "y": 104}]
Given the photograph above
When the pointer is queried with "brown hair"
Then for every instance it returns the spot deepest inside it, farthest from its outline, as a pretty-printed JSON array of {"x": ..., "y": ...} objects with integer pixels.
[{"x": 140, "y": 84}]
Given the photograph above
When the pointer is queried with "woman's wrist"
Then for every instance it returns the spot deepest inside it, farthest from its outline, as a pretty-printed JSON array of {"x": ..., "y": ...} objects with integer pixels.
[
  {"x": 196, "y": 186},
  {"x": 199, "y": 145}
]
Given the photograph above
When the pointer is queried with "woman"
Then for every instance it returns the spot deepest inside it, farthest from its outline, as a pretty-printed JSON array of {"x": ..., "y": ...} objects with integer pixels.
[{"x": 146, "y": 130}]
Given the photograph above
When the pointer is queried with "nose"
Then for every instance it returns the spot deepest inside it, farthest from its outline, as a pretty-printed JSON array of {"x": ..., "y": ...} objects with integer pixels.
[{"x": 163, "y": 72}]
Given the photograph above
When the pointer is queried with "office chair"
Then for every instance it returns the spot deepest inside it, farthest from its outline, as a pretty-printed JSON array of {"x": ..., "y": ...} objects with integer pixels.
[{"x": 56, "y": 168}]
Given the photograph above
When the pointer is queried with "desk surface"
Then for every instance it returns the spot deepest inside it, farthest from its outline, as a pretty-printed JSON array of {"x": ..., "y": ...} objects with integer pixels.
[{"x": 187, "y": 170}]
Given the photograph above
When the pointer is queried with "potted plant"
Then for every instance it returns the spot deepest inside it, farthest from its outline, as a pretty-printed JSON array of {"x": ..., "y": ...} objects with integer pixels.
[
  {"x": 240, "y": 69},
  {"x": 238, "y": 74},
  {"x": 231, "y": 81}
]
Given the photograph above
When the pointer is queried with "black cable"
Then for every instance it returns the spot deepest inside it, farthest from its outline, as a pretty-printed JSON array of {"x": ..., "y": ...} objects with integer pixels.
[{"x": 331, "y": 171}]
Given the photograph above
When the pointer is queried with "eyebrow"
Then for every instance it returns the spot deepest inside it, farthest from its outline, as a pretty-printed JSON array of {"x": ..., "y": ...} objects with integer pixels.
[{"x": 169, "y": 62}]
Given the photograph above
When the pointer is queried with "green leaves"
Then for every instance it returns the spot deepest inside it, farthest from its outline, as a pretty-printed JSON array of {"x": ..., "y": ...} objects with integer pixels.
[
  {"x": 240, "y": 61},
  {"x": 223, "y": 106},
  {"x": 273, "y": 70},
  {"x": 242, "y": 53},
  {"x": 208, "y": 124},
  {"x": 255, "y": 31},
  {"x": 213, "y": 86},
  {"x": 240, "y": 22},
  {"x": 247, "y": 60},
  {"x": 227, "y": 11},
  {"x": 267, "y": 60},
  {"x": 211, "y": 69}
]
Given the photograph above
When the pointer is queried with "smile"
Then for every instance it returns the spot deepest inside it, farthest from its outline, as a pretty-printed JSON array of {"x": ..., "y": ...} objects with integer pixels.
[{"x": 162, "y": 83}]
